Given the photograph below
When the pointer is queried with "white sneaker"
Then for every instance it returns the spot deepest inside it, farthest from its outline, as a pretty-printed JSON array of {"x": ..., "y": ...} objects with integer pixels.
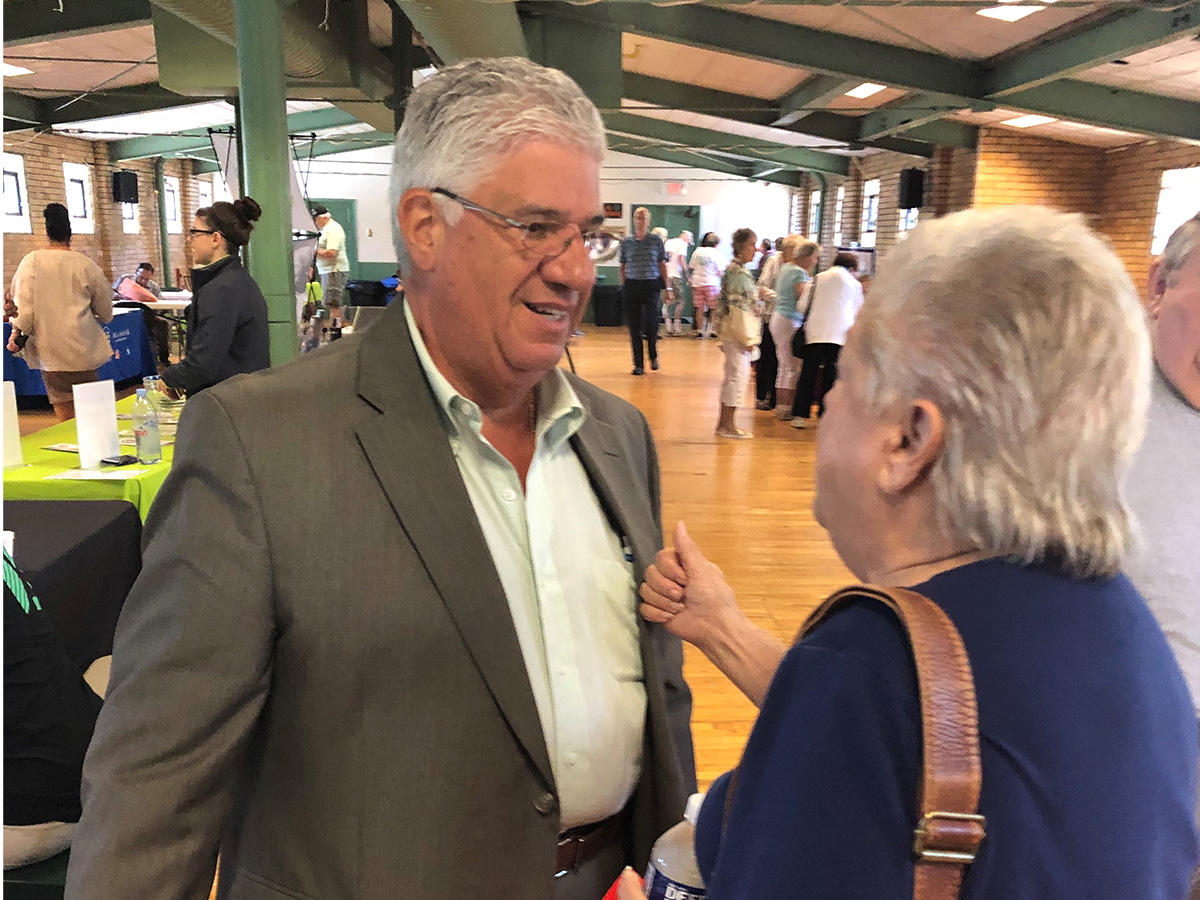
[
  {"x": 783, "y": 413},
  {"x": 799, "y": 422}
]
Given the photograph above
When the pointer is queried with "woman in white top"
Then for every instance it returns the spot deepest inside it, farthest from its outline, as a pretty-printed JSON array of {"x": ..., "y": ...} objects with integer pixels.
[
  {"x": 706, "y": 268},
  {"x": 61, "y": 297},
  {"x": 837, "y": 296}
]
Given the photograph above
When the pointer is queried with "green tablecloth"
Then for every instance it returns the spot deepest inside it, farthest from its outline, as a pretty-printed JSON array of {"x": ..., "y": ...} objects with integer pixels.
[{"x": 32, "y": 482}]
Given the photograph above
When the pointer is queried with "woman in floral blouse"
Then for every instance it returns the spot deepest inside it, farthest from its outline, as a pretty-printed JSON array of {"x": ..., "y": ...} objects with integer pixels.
[{"x": 737, "y": 290}]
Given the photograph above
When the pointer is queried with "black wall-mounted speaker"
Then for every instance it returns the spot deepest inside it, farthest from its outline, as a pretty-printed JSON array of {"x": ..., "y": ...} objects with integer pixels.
[
  {"x": 912, "y": 188},
  {"x": 124, "y": 187}
]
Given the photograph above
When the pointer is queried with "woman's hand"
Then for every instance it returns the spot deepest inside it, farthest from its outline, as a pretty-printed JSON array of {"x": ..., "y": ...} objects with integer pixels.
[
  {"x": 686, "y": 593},
  {"x": 12, "y": 343},
  {"x": 689, "y": 596},
  {"x": 629, "y": 887}
]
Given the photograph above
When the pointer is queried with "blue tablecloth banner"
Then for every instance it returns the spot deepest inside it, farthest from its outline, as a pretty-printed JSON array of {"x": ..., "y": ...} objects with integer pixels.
[{"x": 133, "y": 355}]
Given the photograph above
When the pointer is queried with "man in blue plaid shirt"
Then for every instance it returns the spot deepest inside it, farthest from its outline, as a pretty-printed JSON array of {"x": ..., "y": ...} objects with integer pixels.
[{"x": 643, "y": 260}]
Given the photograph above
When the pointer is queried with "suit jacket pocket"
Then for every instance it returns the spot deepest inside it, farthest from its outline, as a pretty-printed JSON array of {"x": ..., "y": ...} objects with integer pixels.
[{"x": 248, "y": 886}]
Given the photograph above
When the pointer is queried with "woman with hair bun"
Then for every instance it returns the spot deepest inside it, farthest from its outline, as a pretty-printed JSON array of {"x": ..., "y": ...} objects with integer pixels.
[{"x": 227, "y": 320}]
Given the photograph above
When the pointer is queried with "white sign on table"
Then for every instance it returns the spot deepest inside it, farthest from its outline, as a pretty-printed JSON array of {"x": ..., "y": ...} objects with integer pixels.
[
  {"x": 96, "y": 422},
  {"x": 12, "y": 430}
]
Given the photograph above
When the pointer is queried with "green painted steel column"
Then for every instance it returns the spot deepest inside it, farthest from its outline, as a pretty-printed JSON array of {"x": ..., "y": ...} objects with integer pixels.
[
  {"x": 266, "y": 164},
  {"x": 164, "y": 236}
]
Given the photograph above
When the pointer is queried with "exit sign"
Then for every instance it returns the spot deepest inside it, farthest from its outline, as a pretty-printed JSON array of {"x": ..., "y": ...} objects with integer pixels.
[{"x": 676, "y": 188}]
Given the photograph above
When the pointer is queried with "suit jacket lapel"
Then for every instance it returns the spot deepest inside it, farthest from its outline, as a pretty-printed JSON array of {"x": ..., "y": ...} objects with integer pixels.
[
  {"x": 409, "y": 452},
  {"x": 598, "y": 446}
]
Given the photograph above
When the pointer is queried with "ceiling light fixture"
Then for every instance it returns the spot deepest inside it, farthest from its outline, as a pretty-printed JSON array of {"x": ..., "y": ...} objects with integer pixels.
[
  {"x": 1029, "y": 121},
  {"x": 1011, "y": 13},
  {"x": 865, "y": 90},
  {"x": 11, "y": 71}
]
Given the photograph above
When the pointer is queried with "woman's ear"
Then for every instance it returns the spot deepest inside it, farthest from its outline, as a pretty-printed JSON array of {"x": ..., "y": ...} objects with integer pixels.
[
  {"x": 917, "y": 442},
  {"x": 423, "y": 228}
]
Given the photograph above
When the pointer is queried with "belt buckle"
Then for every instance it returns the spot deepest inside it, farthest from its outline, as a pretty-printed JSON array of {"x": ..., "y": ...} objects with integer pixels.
[
  {"x": 922, "y": 837},
  {"x": 577, "y": 845}
]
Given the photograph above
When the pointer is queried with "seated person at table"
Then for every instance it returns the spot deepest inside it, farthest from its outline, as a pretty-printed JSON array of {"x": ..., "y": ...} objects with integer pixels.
[
  {"x": 140, "y": 288},
  {"x": 227, "y": 319},
  {"x": 49, "y": 715},
  {"x": 140, "y": 282},
  {"x": 1001, "y": 500}
]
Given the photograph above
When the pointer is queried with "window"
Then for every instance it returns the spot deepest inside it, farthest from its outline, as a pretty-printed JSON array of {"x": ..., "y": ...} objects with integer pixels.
[
  {"x": 204, "y": 190},
  {"x": 837, "y": 216},
  {"x": 78, "y": 178},
  {"x": 129, "y": 218},
  {"x": 870, "y": 213},
  {"x": 814, "y": 216},
  {"x": 1176, "y": 204},
  {"x": 16, "y": 196},
  {"x": 171, "y": 205},
  {"x": 906, "y": 220}
]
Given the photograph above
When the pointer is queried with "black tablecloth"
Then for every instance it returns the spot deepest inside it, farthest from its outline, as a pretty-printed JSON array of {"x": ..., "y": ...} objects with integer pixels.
[{"x": 81, "y": 557}]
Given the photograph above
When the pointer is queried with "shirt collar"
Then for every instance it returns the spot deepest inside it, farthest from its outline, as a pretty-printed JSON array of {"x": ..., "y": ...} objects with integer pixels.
[{"x": 559, "y": 412}]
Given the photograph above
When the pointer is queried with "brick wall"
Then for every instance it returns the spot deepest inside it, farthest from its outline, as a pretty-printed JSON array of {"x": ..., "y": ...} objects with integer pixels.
[
  {"x": 1018, "y": 168},
  {"x": 950, "y": 181},
  {"x": 113, "y": 250},
  {"x": 1132, "y": 178}
]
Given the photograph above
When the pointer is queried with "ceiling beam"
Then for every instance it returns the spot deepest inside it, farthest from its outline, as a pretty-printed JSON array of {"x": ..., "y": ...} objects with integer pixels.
[
  {"x": 196, "y": 139},
  {"x": 1122, "y": 34},
  {"x": 779, "y": 42},
  {"x": 813, "y": 94},
  {"x": 34, "y": 21},
  {"x": 920, "y": 111},
  {"x": 117, "y": 102},
  {"x": 22, "y": 111},
  {"x": 1109, "y": 107},
  {"x": 683, "y": 156},
  {"x": 726, "y": 143},
  {"x": 823, "y": 124}
]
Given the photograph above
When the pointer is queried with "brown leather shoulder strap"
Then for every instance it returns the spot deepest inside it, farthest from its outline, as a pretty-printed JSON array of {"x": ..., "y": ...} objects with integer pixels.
[{"x": 949, "y": 829}]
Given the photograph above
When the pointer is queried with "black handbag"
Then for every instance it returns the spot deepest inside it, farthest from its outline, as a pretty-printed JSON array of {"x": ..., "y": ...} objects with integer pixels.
[{"x": 799, "y": 339}]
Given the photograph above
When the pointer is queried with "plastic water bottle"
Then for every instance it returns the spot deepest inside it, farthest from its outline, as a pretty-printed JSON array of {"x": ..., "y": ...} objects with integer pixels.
[
  {"x": 673, "y": 873},
  {"x": 145, "y": 429}
]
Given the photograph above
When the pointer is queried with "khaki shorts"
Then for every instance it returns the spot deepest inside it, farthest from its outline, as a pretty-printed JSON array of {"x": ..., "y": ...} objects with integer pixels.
[{"x": 58, "y": 384}]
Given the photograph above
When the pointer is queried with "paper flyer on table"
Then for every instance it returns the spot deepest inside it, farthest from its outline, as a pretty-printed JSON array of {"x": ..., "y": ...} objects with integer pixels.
[
  {"x": 12, "y": 430},
  {"x": 96, "y": 422},
  {"x": 113, "y": 474}
]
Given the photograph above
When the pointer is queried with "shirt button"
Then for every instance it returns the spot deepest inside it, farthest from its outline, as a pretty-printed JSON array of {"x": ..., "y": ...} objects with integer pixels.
[
  {"x": 510, "y": 495},
  {"x": 572, "y": 758},
  {"x": 544, "y": 803}
]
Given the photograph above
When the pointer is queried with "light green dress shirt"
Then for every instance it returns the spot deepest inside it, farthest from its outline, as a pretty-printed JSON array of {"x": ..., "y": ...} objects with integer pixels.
[{"x": 569, "y": 580}]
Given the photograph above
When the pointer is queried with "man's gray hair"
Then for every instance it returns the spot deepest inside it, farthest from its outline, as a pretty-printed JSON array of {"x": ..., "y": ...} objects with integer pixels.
[
  {"x": 1023, "y": 328},
  {"x": 1180, "y": 246},
  {"x": 462, "y": 120}
]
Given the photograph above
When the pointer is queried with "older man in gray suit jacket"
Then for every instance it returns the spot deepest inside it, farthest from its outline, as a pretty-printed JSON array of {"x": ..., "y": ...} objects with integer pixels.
[{"x": 468, "y": 706}]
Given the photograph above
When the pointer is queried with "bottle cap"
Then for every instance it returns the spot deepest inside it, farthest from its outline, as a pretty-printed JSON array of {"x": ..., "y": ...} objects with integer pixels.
[{"x": 692, "y": 811}]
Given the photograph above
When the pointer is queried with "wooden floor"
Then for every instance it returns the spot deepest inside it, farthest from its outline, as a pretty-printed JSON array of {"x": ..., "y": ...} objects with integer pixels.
[{"x": 747, "y": 503}]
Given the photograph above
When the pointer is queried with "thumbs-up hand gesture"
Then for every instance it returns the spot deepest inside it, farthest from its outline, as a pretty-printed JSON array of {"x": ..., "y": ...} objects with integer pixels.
[{"x": 686, "y": 593}]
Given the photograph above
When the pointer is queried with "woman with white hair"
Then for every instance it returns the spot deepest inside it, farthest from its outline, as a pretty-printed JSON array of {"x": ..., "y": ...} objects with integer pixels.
[{"x": 992, "y": 391}]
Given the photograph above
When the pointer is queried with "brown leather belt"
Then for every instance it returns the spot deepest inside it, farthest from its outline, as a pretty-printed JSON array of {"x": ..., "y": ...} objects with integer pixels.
[{"x": 583, "y": 843}]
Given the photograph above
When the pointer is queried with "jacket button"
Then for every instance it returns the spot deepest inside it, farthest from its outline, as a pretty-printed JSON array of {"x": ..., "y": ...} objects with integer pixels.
[{"x": 544, "y": 803}]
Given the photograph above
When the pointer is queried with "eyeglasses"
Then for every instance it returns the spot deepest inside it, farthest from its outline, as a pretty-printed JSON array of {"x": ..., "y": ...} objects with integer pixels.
[
  {"x": 546, "y": 239},
  {"x": 192, "y": 232}
]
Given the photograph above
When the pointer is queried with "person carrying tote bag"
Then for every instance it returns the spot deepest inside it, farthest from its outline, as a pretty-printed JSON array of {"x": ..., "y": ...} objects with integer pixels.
[{"x": 739, "y": 327}]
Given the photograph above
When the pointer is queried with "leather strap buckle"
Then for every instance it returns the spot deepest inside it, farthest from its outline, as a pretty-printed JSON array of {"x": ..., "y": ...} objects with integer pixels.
[{"x": 949, "y": 837}]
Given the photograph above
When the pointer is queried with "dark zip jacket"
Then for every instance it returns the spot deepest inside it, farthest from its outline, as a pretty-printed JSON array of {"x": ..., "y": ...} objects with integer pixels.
[{"x": 227, "y": 328}]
